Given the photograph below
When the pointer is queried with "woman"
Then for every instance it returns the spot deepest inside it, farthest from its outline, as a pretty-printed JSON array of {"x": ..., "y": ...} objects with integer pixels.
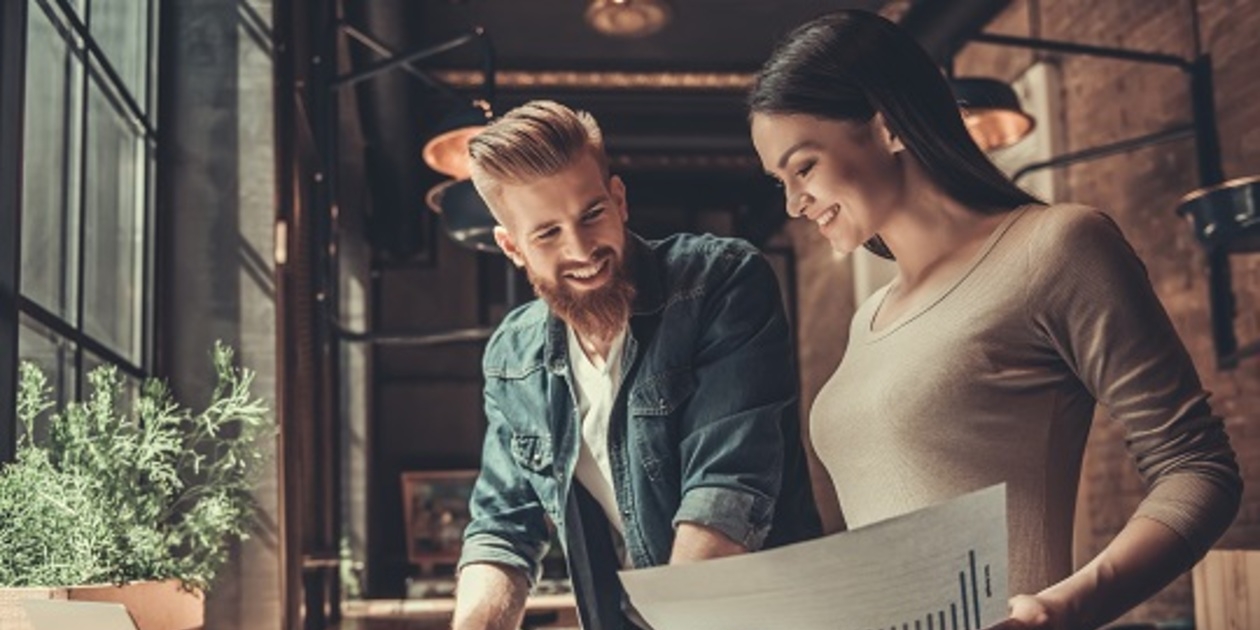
[{"x": 981, "y": 362}]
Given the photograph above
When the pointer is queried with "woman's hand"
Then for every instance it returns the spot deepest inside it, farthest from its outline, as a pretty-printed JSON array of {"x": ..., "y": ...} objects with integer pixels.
[
  {"x": 1030, "y": 612},
  {"x": 1144, "y": 557}
]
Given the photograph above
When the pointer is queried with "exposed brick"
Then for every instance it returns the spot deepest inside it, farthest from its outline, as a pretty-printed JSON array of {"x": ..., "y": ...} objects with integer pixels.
[
  {"x": 1105, "y": 101},
  {"x": 1000, "y": 62}
]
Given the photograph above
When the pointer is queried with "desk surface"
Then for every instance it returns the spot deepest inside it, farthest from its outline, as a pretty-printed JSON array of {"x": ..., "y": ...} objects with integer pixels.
[{"x": 441, "y": 607}]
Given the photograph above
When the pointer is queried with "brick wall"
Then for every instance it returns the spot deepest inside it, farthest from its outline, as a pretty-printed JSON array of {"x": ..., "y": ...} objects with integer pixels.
[{"x": 1105, "y": 101}]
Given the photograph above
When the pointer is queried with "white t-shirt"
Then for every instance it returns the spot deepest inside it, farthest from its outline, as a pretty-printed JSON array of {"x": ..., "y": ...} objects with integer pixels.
[{"x": 595, "y": 385}]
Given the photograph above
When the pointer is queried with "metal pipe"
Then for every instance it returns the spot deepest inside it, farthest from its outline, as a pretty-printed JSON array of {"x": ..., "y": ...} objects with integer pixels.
[
  {"x": 294, "y": 140},
  {"x": 1206, "y": 138},
  {"x": 942, "y": 27},
  {"x": 458, "y": 335},
  {"x": 1222, "y": 304},
  {"x": 488, "y": 65},
  {"x": 376, "y": 46},
  {"x": 1082, "y": 49},
  {"x": 1250, "y": 350},
  {"x": 1123, "y": 146},
  {"x": 326, "y": 525},
  {"x": 1223, "y": 308},
  {"x": 389, "y": 64}
]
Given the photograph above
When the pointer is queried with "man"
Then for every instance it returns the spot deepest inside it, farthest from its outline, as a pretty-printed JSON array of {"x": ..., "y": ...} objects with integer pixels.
[{"x": 643, "y": 404}]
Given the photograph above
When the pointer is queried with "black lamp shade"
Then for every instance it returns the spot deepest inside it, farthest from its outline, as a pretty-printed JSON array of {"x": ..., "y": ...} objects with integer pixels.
[
  {"x": 465, "y": 216},
  {"x": 1226, "y": 216},
  {"x": 992, "y": 112},
  {"x": 447, "y": 151}
]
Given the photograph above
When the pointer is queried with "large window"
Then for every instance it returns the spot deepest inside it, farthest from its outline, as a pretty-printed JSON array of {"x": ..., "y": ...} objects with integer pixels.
[{"x": 85, "y": 277}]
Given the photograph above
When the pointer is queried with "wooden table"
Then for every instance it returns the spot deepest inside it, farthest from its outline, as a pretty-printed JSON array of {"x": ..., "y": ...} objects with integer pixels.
[{"x": 435, "y": 613}]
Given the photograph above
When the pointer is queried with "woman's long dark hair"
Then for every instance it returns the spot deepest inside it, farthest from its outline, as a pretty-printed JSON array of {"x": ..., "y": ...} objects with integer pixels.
[{"x": 849, "y": 65}]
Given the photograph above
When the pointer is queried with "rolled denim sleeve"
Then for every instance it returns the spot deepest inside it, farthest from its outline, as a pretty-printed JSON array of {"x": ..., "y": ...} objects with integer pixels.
[
  {"x": 732, "y": 442},
  {"x": 508, "y": 526}
]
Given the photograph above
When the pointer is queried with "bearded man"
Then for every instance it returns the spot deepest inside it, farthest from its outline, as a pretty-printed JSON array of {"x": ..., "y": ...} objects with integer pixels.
[{"x": 643, "y": 403}]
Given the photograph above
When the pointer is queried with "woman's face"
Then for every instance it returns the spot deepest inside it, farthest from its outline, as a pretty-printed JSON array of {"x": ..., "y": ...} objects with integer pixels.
[{"x": 845, "y": 176}]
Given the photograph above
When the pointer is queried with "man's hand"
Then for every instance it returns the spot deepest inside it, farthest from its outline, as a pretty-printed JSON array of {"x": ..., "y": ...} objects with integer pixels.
[
  {"x": 693, "y": 543},
  {"x": 490, "y": 597}
]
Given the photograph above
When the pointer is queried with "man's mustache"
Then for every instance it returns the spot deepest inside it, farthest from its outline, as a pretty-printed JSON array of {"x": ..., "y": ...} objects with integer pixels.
[{"x": 597, "y": 256}]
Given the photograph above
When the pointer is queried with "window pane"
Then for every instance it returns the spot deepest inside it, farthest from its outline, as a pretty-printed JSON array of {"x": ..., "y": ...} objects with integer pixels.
[
  {"x": 121, "y": 29},
  {"x": 130, "y": 384},
  {"x": 113, "y": 212},
  {"x": 78, "y": 7},
  {"x": 54, "y": 356},
  {"x": 50, "y": 176}
]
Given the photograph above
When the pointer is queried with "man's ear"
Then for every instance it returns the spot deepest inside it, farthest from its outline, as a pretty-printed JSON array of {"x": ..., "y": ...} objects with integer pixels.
[
  {"x": 617, "y": 189},
  {"x": 886, "y": 135},
  {"x": 505, "y": 242}
]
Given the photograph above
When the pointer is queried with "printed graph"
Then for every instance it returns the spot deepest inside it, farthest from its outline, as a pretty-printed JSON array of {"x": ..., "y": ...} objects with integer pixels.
[
  {"x": 941, "y": 568},
  {"x": 964, "y": 611}
]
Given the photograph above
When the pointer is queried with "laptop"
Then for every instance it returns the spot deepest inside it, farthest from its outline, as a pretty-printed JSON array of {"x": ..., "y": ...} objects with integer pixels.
[{"x": 53, "y": 614}]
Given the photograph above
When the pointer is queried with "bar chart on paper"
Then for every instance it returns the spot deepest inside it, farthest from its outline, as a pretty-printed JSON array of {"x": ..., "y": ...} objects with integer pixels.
[
  {"x": 940, "y": 568},
  {"x": 963, "y": 611}
]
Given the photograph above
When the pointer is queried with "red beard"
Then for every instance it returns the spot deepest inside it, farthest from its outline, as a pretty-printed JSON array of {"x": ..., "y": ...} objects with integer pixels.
[{"x": 598, "y": 313}]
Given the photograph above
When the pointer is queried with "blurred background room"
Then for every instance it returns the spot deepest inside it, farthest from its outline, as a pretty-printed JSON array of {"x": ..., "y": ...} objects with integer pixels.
[{"x": 285, "y": 177}]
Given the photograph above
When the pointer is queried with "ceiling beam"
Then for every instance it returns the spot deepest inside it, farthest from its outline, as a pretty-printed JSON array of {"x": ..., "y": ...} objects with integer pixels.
[{"x": 603, "y": 80}]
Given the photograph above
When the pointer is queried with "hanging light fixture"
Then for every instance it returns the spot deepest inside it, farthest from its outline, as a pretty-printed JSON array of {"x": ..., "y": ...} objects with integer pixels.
[
  {"x": 1225, "y": 216},
  {"x": 465, "y": 215},
  {"x": 992, "y": 112},
  {"x": 447, "y": 151},
  {"x": 628, "y": 18}
]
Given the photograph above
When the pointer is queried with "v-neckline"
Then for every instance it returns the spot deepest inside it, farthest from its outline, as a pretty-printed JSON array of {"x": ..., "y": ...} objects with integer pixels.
[{"x": 905, "y": 318}]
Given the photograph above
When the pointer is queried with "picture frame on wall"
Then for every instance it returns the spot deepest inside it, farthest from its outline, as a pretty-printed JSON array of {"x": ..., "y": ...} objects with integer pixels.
[{"x": 435, "y": 509}]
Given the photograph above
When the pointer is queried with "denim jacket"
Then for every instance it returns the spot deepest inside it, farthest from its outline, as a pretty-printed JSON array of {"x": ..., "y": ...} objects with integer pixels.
[{"x": 705, "y": 428}]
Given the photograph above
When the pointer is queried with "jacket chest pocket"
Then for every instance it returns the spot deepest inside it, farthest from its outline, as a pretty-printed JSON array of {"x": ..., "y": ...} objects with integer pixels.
[
  {"x": 533, "y": 455},
  {"x": 533, "y": 452},
  {"x": 662, "y": 394},
  {"x": 653, "y": 406}
]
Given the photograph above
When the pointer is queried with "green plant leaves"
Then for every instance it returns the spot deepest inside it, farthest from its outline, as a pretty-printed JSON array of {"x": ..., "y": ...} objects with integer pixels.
[{"x": 153, "y": 492}]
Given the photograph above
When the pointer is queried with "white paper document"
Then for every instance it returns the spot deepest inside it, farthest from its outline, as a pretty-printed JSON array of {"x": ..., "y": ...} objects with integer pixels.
[
  {"x": 52, "y": 614},
  {"x": 940, "y": 568}
]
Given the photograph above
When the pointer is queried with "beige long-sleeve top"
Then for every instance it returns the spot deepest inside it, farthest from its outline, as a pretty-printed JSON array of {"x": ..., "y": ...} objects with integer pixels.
[{"x": 995, "y": 380}]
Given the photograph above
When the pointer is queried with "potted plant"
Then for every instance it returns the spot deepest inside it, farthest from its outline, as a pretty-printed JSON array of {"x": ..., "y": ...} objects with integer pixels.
[{"x": 136, "y": 503}]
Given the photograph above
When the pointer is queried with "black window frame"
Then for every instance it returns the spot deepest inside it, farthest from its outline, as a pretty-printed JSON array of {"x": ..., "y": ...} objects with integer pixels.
[
  {"x": 12, "y": 97},
  {"x": 96, "y": 68}
]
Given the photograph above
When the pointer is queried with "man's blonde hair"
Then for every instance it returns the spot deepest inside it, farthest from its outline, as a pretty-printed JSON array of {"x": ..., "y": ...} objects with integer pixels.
[{"x": 536, "y": 140}]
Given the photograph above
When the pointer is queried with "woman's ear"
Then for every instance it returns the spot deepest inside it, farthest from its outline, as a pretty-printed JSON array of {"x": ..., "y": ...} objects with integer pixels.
[{"x": 887, "y": 136}]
